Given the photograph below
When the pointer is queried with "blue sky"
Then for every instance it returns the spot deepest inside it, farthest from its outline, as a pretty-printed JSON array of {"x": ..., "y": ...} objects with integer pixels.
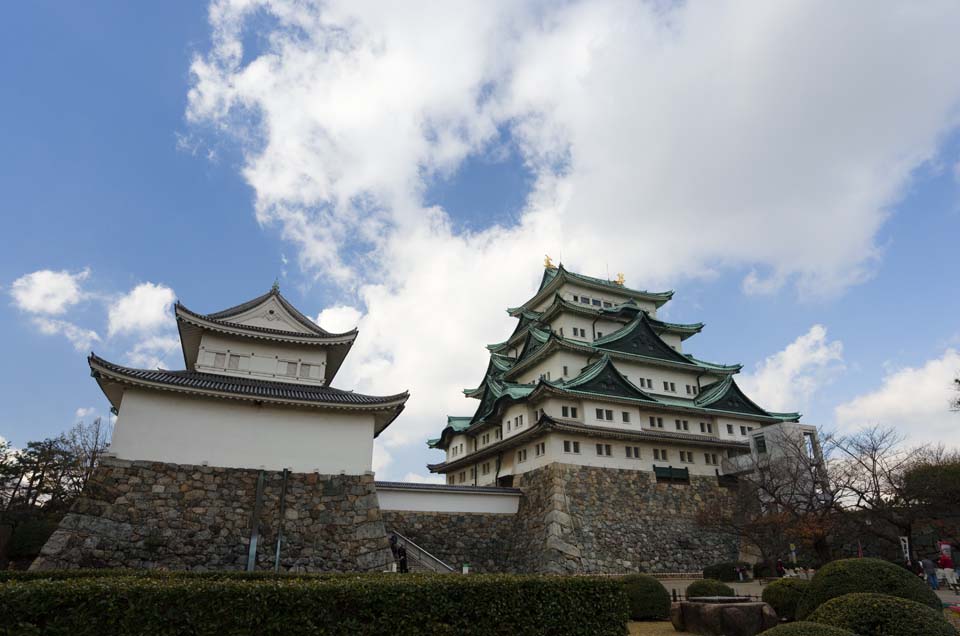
[{"x": 419, "y": 203}]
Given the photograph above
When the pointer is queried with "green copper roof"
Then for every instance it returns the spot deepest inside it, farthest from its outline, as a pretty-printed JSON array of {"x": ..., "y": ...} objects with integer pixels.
[
  {"x": 603, "y": 378},
  {"x": 639, "y": 338},
  {"x": 725, "y": 395},
  {"x": 550, "y": 274}
]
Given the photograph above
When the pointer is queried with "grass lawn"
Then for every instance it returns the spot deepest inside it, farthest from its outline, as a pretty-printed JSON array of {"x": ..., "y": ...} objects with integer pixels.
[{"x": 654, "y": 628}]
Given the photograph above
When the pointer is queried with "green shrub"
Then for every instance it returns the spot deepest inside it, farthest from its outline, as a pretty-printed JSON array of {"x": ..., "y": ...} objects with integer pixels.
[
  {"x": 724, "y": 571},
  {"x": 863, "y": 575},
  {"x": 882, "y": 615},
  {"x": 783, "y": 595},
  {"x": 803, "y": 628},
  {"x": 361, "y": 605},
  {"x": 213, "y": 575},
  {"x": 709, "y": 587},
  {"x": 648, "y": 598}
]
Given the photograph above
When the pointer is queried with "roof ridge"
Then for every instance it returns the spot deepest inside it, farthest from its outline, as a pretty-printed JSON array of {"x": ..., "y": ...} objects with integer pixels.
[{"x": 222, "y": 315}]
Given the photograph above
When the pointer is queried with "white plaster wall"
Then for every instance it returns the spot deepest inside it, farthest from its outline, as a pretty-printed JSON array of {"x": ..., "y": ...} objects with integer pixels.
[
  {"x": 439, "y": 500},
  {"x": 260, "y": 359},
  {"x": 736, "y": 423},
  {"x": 166, "y": 427},
  {"x": 554, "y": 363},
  {"x": 511, "y": 413},
  {"x": 634, "y": 371},
  {"x": 568, "y": 290},
  {"x": 673, "y": 340},
  {"x": 455, "y": 442},
  {"x": 588, "y": 455}
]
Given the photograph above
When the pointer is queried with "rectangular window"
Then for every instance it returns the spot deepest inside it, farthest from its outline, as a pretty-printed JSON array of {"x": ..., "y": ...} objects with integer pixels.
[
  {"x": 576, "y": 447},
  {"x": 576, "y": 298},
  {"x": 710, "y": 458},
  {"x": 656, "y": 454},
  {"x": 304, "y": 369},
  {"x": 609, "y": 415},
  {"x": 522, "y": 455},
  {"x": 573, "y": 411},
  {"x": 540, "y": 449},
  {"x": 673, "y": 387},
  {"x": 566, "y": 446},
  {"x": 565, "y": 371},
  {"x": 666, "y": 385},
  {"x": 234, "y": 363},
  {"x": 599, "y": 334},
  {"x": 607, "y": 304},
  {"x": 599, "y": 414},
  {"x": 463, "y": 477},
  {"x": 626, "y": 417},
  {"x": 565, "y": 411},
  {"x": 604, "y": 450},
  {"x": 729, "y": 429},
  {"x": 649, "y": 383},
  {"x": 584, "y": 300},
  {"x": 220, "y": 360},
  {"x": 633, "y": 452},
  {"x": 571, "y": 447},
  {"x": 498, "y": 433},
  {"x": 596, "y": 303},
  {"x": 760, "y": 443},
  {"x": 743, "y": 430}
]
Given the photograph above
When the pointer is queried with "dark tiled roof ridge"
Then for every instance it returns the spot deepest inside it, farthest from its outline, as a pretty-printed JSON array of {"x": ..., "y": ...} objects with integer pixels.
[
  {"x": 249, "y": 387},
  {"x": 266, "y": 330},
  {"x": 250, "y": 304}
]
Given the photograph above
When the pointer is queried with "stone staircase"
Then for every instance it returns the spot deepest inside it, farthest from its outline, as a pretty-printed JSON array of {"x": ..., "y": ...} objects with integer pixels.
[{"x": 418, "y": 559}]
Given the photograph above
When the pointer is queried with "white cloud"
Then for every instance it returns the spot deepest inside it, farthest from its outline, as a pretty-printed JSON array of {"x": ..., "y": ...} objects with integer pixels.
[
  {"x": 914, "y": 400},
  {"x": 83, "y": 413},
  {"x": 48, "y": 292},
  {"x": 144, "y": 308},
  {"x": 81, "y": 339},
  {"x": 154, "y": 351},
  {"x": 339, "y": 318},
  {"x": 786, "y": 380},
  {"x": 418, "y": 478},
  {"x": 771, "y": 138}
]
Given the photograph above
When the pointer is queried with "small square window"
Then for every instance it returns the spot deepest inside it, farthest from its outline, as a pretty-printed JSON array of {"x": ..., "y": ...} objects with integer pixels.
[
  {"x": 626, "y": 417},
  {"x": 565, "y": 411},
  {"x": 729, "y": 429},
  {"x": 609, "y": 415},
  {"x": 599, "y": 414}
]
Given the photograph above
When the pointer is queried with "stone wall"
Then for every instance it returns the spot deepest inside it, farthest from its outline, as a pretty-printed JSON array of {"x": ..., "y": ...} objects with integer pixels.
[
  {"x": 186, "y": 517},
  {"x": 582, "y": 519},
  {"x": 480, "y": 539}
]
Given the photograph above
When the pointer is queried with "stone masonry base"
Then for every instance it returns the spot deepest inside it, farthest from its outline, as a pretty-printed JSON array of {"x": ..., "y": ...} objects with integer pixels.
[{"x": 186, "y": 517}]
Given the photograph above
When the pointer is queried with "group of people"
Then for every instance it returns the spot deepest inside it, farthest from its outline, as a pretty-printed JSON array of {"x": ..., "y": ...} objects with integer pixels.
[{"x": 932, "y": 570}]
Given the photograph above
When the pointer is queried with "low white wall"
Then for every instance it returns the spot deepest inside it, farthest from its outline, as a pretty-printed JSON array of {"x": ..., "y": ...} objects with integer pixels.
[
  {"x": 441, "y": 500},
  {"x": 167, "y": 427}
]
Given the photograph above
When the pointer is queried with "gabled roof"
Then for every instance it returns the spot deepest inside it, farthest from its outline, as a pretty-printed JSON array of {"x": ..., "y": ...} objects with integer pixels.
[
  {"x": 601, "y": 378},
  {"x": 114, "y": 379},
  {"x": 553, "y": 278},
  {"x": 292, "y": 328},
  {"x": 639, "y": 338},
  {"x": 725, "y": 395},
  {"x": 226, "y": 314}
]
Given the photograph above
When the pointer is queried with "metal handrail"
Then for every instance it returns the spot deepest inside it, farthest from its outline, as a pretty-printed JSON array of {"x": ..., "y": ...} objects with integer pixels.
[{"x": 440, "y": 566}]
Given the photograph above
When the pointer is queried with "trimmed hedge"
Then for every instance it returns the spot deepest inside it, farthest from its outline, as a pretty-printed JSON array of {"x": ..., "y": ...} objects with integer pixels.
[
  {"x": 803, "y": 628},
  {"x": 212, "y": 575},
  {"x": 864, "y": 575},
  {"x": 709, "y": 587},
  {"x": 882, "y": 615},
  {"x": 649, "y": 599},
  {"x": 725, "y": 571},
  {"x": 361, "y": 605},
  {"x": 783, "y": 595}
]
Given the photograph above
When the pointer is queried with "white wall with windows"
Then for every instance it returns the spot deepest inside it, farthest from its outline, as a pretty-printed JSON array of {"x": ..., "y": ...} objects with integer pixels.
[{"x": 263, "y": 360}]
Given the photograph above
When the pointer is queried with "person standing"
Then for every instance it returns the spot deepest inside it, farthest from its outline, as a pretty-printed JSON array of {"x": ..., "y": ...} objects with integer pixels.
[
  {"x": 781, "y": 570},
  {"x": 402, "y": 557},
  {"x": 949, "y": 573},
  {"x": 930, "y": 570}
]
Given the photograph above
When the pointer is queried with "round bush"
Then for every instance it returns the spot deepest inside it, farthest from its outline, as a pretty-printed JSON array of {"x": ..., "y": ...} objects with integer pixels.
[
  {"x": 803, "y": 628},
  {"x": 648, "y": 598},
  {"x": 783, "y": 596},
  {"x": 709, "y": 587},
  {"x": 863, "y": 575},
  {"x": 882, "y": 615}
]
